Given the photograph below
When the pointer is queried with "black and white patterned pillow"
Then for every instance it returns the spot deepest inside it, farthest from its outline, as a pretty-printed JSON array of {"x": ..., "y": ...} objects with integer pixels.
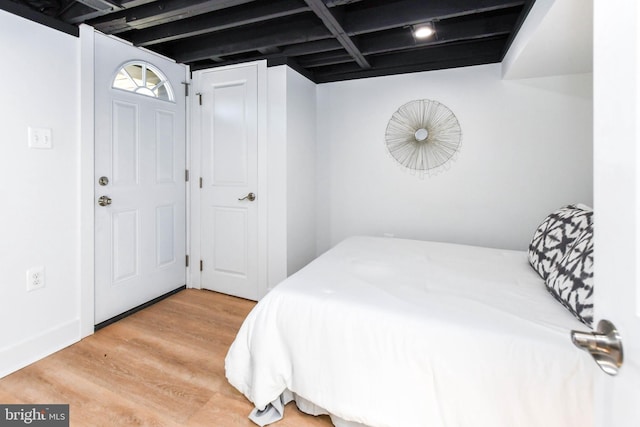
[
  {"x": 572, "y": 282},
  {"x": 555, "y": 236}
]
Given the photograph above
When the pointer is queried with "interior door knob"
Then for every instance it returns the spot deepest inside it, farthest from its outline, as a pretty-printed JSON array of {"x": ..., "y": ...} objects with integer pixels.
[
  {"x": 104, "y": 201},
  {"x": 251, "y": 197},
  {"x": 604, "y": 345}
]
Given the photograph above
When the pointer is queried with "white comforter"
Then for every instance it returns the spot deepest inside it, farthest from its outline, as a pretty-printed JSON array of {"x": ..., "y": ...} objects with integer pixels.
[{"x": 400, "y": 333}]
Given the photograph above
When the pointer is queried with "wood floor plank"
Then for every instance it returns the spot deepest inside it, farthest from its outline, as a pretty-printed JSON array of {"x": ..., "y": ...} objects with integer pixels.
[
  {"x": 162, "y": 366},
  {"x": 223, "y": 410}
]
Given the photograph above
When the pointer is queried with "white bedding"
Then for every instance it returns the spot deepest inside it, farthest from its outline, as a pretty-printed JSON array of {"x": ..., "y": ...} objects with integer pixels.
[{"x": 401, "y": 333}]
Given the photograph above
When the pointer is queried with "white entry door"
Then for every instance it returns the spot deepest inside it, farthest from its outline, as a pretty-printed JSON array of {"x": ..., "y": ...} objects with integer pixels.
[
  {"x": 617, "y": 201},
  {"x": 139, "y": 174},
  {"x": 228, "y": 109}
]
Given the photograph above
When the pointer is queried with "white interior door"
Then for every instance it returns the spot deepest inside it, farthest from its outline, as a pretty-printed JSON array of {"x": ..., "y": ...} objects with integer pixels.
[
  {"x": 229, "y": 198},
  {"x": 140, "y": 150},
  {"x": 617, "y": 201}
]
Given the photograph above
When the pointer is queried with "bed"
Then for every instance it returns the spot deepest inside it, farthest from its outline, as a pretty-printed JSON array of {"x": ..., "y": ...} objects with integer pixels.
[{"x": 385, "y": 332}]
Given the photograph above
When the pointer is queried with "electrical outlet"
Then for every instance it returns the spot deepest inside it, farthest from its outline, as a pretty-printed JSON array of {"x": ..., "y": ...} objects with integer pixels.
[
  {"x": 35, "y": 278},
  {"x": 39, "y": 138}
]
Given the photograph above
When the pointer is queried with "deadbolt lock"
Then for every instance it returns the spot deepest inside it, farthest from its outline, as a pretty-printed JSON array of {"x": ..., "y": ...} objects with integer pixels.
[
  {"x": 103, "y": 181},
  {"x": 104, "y": 201}
]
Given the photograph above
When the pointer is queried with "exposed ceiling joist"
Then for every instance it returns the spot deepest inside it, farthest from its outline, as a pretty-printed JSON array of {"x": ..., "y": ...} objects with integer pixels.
[
  {"x": 217, "y": 21},
  {"x": 324, "y": 59},
  {"x": 425, "y": 59},
  {"x": 338, "y": 31},
  {"x": 101, "y": 5},
  {"x": 38, "y": 16},
  {"x": 325, "y": 45},
  {"x": 325, "y": 40},
  {"x": 447, "y": 32},
  {"x": 334, "y": 3},
  {"x": 159, "y": 12},
  {"x": 77, "y": 12},
  {"x": 233, "y": 42},
  {"x": 409, "y": 12}
]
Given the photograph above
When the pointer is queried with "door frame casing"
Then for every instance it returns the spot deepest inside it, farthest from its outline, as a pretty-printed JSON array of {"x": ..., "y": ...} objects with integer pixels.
[
  {"x": 87, "y": 170},
  {"x": 194, "y": 250}
]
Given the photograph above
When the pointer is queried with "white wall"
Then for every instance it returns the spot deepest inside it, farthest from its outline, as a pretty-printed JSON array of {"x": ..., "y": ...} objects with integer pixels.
[
  {"x": 526, "y": 150},
  {"x": 40, "y": 191},
  {"x": 291, "y": 172},
  {"x": 277, "y": 174},
  {"x": 555, "y": 39},
  {"x": 301, "y": 171}
]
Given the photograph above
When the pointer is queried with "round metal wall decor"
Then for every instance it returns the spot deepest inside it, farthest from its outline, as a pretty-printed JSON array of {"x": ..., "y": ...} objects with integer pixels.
[{"x": 423, "y": 135}]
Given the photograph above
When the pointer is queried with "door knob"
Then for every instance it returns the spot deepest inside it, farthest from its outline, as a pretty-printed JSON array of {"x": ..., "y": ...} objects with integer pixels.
[
  {"x": 604, "y": 345},
  {"x": 104, "y": 201},
  {"x": 251, "y": 197}
]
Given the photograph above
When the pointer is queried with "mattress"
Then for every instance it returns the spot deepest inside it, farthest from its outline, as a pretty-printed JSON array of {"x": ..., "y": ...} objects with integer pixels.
[{"x": 386, "y": 332}]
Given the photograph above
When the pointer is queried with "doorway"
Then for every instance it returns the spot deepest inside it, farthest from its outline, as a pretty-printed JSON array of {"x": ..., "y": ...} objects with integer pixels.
[
  {"x": 139, "y": 183},
  {"x": 229, "y": 200}
]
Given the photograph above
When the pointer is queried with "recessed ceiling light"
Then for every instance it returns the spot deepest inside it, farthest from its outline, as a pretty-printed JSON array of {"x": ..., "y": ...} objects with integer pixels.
[{"x": 423, "y": 31}]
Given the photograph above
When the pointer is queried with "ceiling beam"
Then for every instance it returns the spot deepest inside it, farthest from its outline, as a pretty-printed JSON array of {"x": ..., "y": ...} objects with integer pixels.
[
  {"x": 334, "y": 3},
  {"x": 35, "y": 16},
  {"x": 408, "y": 12},
  {"x": 286, "y": 55},
  {"x": 309, "y": 48},
  {"x": 332, "y": 24},
  {"x": 425, "y": 59},
  {"x": 324, "y": 77},
  {"x": 292, "y": 63},
  {"x": 128, "y": 4},
  {"x": 325, "y": 59},
  {"x": 516, "y": 28},
  {"x": 85, "y": 15},
  {"x": 101, "y": 4},
  {"x": 158, "y": 12},
  {"x": 217, "y": 21},
  {"x": 93, "y": 9},
  {"x": 471, "y": 28},
  {"x": 236, "y": 41},
  {"x": 76, "y": 12},
  {"x": 271, "y": 50},
  {"x": 439, "y": 53}
]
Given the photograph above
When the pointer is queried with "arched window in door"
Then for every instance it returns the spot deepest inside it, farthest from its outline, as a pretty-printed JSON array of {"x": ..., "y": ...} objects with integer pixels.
[{"x": 144, "y": 79}]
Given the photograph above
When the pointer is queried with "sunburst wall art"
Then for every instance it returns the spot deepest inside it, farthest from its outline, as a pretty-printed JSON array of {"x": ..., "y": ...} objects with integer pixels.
[{"x": 423, "y": 135}]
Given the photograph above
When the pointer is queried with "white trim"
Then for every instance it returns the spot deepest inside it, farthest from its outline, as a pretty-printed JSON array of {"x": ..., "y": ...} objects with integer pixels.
[
  {"x": 193, "y": 272},
  {"x": 35, "y": 348},
  {"x": 263, "y": 141},
  {"x": 187, "y": 159},
  {"x": 87, "y": 155}
]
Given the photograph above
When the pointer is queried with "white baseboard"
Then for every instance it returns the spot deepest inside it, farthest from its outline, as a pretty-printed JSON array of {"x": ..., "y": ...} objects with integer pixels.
[{"x": 35, "y": 348}]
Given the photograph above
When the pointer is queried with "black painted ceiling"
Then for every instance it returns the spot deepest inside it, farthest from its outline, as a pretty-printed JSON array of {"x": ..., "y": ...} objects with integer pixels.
[{"x": 326, "y": 40}]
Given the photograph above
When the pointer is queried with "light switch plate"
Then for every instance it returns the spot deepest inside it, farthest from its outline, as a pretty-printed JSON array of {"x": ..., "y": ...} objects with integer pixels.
[{"x": 40, "y": 138}]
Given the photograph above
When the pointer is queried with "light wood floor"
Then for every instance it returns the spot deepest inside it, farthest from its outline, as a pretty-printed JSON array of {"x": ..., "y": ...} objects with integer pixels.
[{"x": 163, "y": 366}]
